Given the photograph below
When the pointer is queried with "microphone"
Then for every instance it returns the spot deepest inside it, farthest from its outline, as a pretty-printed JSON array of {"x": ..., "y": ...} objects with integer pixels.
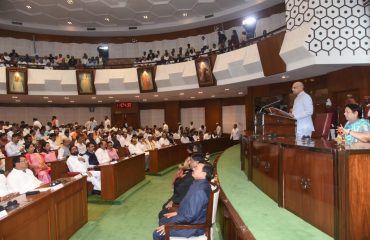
[{"x": 263, "y": 107}]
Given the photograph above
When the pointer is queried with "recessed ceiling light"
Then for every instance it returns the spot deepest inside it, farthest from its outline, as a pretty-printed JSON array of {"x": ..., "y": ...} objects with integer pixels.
[
  {"x": 69, "y": 23},
  {"x": 240, "y": 93},
  {"x": 66, "y": 98},
  {"x": 165, "y": 99},
  {"x": 70, "y": 2},
  {"x": 227, "y": 89},
  {"x": 213, "y": 96},
  {"x": 200, "y": 92},
  {"x": 144, "y": 99},
  {"x": 71, "y": 101},
  {"x": 110, "y": 97},
  {"x": 14, "y": 97},
  {"x": 137, "y": 96},
  {"x": 93, "y": 97},
  {"x": 107, "y": 19},
  {"x": 117, "y": 100},
  {"x": 45, "y": 97},
  {"x": 49, "y": 101},
  {"x": 28, "y": 6},
  {"x": 284, "y": 77},
  {"x": 156, "y": 95},
  {"x": 145, "y": 17},
  {"x": 181, "y": 94},
  {"x": 184, "y": 14},
  {"x": 192, "y": 97},
  {"x": 18, "y": 100},
  {"x": 100, "y": 101}
]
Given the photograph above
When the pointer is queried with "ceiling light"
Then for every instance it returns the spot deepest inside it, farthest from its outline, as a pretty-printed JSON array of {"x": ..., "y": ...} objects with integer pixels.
[
  {"x": 200, "y": 92},
  {"x": 145, "y": 17},
  {"x": 213, "y": 96},
  {"x": 49, "y": 101},
  {"x": 93, "y": 97},
  {"x": 28, "y": 6},
  {"x": 70, "y": 2},
  {"x": 165, "y": 99},
  {"x": 66, "y": 98},
  {"x": 69, "y": 23},
  {"x": 71, "y": 101},
  {"x": 45, "y": 97},
  {"x": 100, "y": 101},
  {"x": 192, "y": 97},
  {"x": 144, "y": 100},
  {"x": 107, "y": 19},
  {"x": 249, "y": 21},
  {"x": 227, "y": 89},
  {"x": 110, "y": 97},
  {"x": 181, "y": 94},
  {"x": 14, "y": 97},
  {"x": 156, "y": 95},
  {"x": 18, "y": 100},
  {"x": 137, "y": 96},
  {"x": 184, "y": 14},
  {"x": 240, "y": 93}
]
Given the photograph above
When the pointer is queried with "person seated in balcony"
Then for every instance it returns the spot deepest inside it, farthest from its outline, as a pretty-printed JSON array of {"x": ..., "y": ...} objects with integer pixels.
[
  {"x": 221, "y": 41},
  {"x": 193, "y": 207},
  {"x": 151, "y": 55},
  {"x": 51, "y": 58},
  {"x": 14, "y": 56},
  {"x": 84, "y": 59},
  {"x": 60, "y": 59},
  {"x": 21, "y": 178},
  {"x": 72, "y": 61},
  {"x": 67, "y": 58},
  {"x": 166, "y": 56},
  {"x": 189, "y": 47},
  {"x": 37, "y": 163}
]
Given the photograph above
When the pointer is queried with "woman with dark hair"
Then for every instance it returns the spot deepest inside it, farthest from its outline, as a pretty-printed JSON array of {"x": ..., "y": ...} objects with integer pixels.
[
  {"x": 353, "y": 114},
  {"x": 49, "y": 156},
  {"x": 37, "y": 163}
]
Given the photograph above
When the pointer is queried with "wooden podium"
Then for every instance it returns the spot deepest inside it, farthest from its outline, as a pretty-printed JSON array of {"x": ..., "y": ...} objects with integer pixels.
[{"x": 275, "y": 122}]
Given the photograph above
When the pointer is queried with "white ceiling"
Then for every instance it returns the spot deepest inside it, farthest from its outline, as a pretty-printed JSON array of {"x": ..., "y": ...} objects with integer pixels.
[{"x": 52, "y": 16}]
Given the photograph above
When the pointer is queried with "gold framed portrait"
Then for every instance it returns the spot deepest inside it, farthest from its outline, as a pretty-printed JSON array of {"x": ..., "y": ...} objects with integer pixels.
[
  {"x": 204, "y": 69},
  {"x": 16, "y": 81},
  {"x": 146, "y": 78},
  {"x": 85, "y": 81}
]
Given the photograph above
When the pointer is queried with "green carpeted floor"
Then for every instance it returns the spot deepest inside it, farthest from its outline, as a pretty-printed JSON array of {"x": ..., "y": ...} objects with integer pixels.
[
  {"x": 262, "y": 216},
  {"x": 135, "y": 218}
]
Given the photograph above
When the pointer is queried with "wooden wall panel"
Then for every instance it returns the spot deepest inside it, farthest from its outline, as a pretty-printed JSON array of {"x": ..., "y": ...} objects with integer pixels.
[
  {"x": 269, "y": 50},
  {"x": 172, "y": 114},
  {"x": 213, "y": 113},
  {"x": 120, "y": 115}
]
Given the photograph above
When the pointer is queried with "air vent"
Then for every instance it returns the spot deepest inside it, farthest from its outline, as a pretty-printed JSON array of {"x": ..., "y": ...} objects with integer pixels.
[
  {"x": 17, "y": 23},
  {"x": 209, "y": 16},
  {"x": 132, "y": 28},
  {"x": 91, "y": 29}
]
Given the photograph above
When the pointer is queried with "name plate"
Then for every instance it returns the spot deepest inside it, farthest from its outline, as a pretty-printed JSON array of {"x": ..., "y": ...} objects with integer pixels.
[{"x": 3, "y": 214}]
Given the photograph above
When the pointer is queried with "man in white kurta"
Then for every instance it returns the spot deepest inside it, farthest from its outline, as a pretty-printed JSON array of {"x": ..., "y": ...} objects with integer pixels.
[
  {"x": 14, "y": 148},
  {"x": 79, "y": 164},
  {"x": 21, "y": 179},
  {"x": 302, "y": 111},
  {"x": 102, "y": 153}
]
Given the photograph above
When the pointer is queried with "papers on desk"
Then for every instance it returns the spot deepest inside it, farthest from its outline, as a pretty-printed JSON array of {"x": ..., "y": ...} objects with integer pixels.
[
  {"x": 3, "y": 214},
  {"x": 44, "y": 189},
  {"x": 113, "y": 162},
  {"x": 78, "y": 176},
  {"x": 56, "y": 187}
]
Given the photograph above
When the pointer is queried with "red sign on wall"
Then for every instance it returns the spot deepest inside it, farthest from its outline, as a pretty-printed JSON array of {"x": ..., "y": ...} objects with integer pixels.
[{"x": 124, "y": 105}]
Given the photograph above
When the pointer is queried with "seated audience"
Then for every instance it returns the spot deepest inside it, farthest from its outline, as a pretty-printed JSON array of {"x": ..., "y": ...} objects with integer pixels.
[
  {"x": 37, "y": 163},
  {"x": 47, "y": 153},
  {"x": 90, "y": 155},
  {"x": 53, "y": 142},
  {"x": 112, "y": 152},
  {"x": 193, "y": 207},
  {"x": 134, "y": 148},
  {"x": 63, "y": 152},
  {"x": 21, "y": 179},
  {"x": 80, "y": 144},
  {"x": 5, "y": 194},
  {"x": 163, "y": 141},
  {"x": 79, "y": 164},
  {"x": 102, "y": 153},
  {"x": 14, "y": 148}
]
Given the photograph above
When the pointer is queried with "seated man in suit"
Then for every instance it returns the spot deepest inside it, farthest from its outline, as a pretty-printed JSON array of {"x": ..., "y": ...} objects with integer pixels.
[
  {"x": 193, "y": 208},
  {"x": 79, "y": 164},
  {"x": 21, "y": 179}
]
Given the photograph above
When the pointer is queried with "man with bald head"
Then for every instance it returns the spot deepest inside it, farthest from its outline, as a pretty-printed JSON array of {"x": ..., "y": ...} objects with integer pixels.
[{"x": 302, "y": 111}]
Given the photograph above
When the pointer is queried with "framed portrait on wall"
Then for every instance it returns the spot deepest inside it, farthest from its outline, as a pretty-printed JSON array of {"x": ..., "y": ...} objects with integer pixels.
[
  {"x": 146, "y": 78},
  {"x": 16, "y": 81},
  {"x": 85, "y": 81},
  {"x": 204, "y": 68}
]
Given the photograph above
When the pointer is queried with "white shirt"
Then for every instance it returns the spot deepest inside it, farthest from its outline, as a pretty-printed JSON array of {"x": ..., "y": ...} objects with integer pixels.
[
  {"x": 206, "y": 136},
  {"x": 13, "y": 149},
  {"x": 135, "y": 149},
  {"x": 3, "y": 186},
  {"x": 107, "y": 123},
  {"x": 218, "y": 130},
  {"x": 302, "y": 112},
  {"x": 235, "y": 134},
  {"x": 184, "y": 139},
  {"x": 63, "y": 153},
  {"x": 81, "y": 147},
  {"x": 102, "y": 155},
  {"x": 53, "y": 145},
  {"x": 75, "y": 165},
  {"x": 37, "y": 123},
  {"x": 165, "y": 127},
  {"x": 22, "y": 181},
  {"x": 164, "y": 142},
  {"x": 123, "y": 141}
]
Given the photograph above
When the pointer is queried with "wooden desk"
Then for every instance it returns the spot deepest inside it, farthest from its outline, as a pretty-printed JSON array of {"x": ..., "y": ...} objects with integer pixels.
[
  {"x": 59, "y": 169},
  {"x": 325, "y": 185},
  {"x": 117, "y": 178},
  {"x": 48, "y": 215}
]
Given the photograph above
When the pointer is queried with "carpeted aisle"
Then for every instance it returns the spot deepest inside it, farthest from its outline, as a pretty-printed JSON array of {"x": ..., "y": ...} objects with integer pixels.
[
  {"x": 262, "y": 216},
  {"x": 134, "y": 219}
]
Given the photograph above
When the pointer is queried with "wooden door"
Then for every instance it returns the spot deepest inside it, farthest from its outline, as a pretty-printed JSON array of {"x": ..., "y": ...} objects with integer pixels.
[{"x": 340, "y": 99}]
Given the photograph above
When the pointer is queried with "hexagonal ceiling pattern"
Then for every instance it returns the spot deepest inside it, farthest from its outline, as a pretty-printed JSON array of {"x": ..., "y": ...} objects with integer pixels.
[{"x": 114, "y": 17}]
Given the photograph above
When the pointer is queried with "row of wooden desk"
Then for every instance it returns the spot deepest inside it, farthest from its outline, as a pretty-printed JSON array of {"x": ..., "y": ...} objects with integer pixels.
[
  {"x": 324, "y": 184},
  {"x": 48, "y": 215}
]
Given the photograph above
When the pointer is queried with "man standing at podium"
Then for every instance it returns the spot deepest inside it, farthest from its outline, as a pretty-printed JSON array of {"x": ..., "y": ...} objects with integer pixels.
[{"x": 302, "y": 111}]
